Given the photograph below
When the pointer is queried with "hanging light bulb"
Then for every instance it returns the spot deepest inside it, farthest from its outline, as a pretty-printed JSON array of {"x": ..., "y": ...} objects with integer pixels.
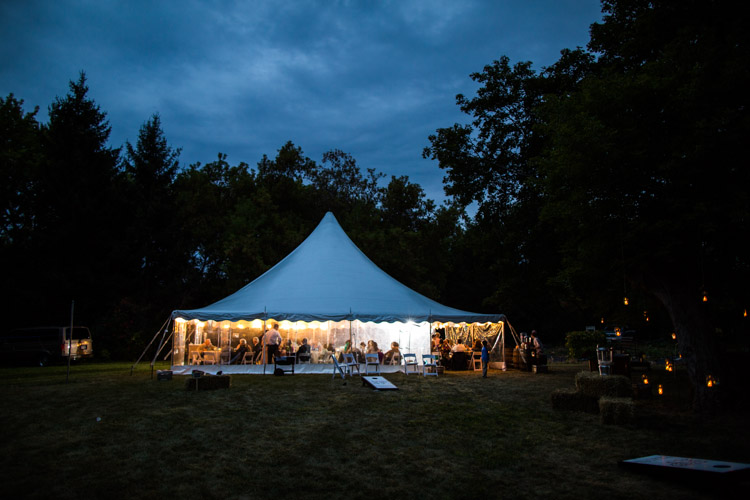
[
  {"x": 603, "y": 318},
  {"x": 674, "y": 336},
  {"x": 660, "y": 390},
  {"x": 705, "y": 296},
  {"x": 745, "y": 315},
  {"x": 710, "y": 382},
  {"x": 644, "y": 378},
  {"x": 625, "y": 300}
]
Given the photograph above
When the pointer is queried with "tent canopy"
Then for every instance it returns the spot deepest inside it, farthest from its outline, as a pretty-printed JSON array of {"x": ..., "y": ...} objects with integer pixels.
[{"x": 327, "y": 278}]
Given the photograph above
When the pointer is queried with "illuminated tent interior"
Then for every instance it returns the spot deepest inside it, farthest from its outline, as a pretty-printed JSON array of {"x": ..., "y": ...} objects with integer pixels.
[{"x": 328, "y": 292}]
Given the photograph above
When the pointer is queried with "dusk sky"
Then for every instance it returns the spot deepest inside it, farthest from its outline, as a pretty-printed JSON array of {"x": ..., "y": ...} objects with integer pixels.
[{"x": 371, "y": 78}]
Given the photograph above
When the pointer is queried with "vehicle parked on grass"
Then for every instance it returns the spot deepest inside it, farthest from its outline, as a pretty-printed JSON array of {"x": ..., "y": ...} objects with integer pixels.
[{"x": 43, "y": 345}]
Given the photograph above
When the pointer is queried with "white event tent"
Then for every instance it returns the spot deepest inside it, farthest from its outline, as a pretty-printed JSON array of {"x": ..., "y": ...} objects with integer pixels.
[{"x": 327, "y": 291}]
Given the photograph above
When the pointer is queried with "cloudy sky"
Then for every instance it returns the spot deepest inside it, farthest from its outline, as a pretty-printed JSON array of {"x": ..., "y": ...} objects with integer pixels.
[{"x": 372, "y": 78}]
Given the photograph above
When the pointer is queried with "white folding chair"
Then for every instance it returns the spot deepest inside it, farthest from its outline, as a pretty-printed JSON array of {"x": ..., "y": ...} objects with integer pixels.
[
  {"x": 604, "y": 357},
  {"x": 226, "y": 355},
  {"x": 194, "y": 354},
  {"x": 476, "y": 360},
  {"x": 248, "y": 358},
  {"x": 429, "y": 365},
  {"x": 210, "y": 357},
  {"x": 410, "y": 359},
  {"x": 351, "y": 364},
  {"x": 337, "y": 368},
  {"x": 372, "y": 359}
]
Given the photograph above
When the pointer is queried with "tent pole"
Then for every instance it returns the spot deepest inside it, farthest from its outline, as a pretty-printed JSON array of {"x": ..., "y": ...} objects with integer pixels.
[
  {"x": 263, "y": 349},
  {"x": 70, "y": 338}
]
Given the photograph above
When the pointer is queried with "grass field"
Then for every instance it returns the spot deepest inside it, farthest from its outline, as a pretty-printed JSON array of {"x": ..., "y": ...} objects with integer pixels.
[{"x": 107, "y": 434}]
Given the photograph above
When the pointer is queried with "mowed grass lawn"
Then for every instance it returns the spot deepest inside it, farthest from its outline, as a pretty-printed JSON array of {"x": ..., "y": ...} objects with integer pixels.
[{"x": 107, "y": 434}]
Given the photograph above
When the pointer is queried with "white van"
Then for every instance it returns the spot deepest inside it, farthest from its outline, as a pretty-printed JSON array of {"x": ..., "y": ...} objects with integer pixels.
[{"x": 42, "y": 345}]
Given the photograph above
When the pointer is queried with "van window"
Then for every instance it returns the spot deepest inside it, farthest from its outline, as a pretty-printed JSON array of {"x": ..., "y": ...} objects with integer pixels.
[{"x": 80, "y": 333}]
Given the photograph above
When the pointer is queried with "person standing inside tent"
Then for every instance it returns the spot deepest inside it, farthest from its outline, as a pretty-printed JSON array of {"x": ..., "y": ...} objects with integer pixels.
[
  {"x": 271, "y": 341},
  {"x": 485, "y": 358}
]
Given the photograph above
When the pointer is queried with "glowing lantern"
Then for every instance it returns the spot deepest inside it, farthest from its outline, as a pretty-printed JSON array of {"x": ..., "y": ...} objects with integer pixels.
[
  {"x": 603, "y": 318},
  {"x": 668, "y": 366},
  {"x": 674, "y": 336},
  {"x": 625, "y": 300},
  {"x": 705, "y": 296},
  {"x": 257, "y": 324},
  {"x": 711, "y": 381},
  {"x": 645, "y": 379},
  {"x": 660, "y": 390},
  {"x": 745, "y": 315}
]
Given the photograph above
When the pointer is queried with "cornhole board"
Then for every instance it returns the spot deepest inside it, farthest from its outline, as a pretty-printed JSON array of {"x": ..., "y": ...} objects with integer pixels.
[
  {"x": 379, "y": 383},
  {"x": 689, "y": 467}
]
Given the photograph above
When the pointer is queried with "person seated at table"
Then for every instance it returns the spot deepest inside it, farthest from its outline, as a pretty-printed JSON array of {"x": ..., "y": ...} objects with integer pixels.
[
  {"x": 393, "y": 357},
  {"x": 459, "y": 347},
  {"x": 478, "y": 345},
  {"x": 256, "y": 349},
  {"x": 288, "y": 348},
  {"x": 444, "y": 348},
  {"x": 347, "y": 349},
  {"x": 207, "y": 345},
  {"x": 303, "y": 353},
  {"x": 435, "y": 343},
  {"x": 372, "y": 348},
  {"x": 359, "y": 353},
  {"x": 239, "y": 352}
]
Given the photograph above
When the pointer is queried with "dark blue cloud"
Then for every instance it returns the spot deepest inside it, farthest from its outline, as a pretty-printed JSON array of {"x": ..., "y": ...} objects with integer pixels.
[{"x": 371, "y": 78}]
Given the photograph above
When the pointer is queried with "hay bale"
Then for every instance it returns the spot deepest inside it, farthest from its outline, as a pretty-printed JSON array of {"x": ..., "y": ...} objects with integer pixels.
[
  {"x": 208, "y": 383},
  {"x": 597, "y": 386},
  {"x": 570, "y": 400},
  {"x": 616, "y": 411}
]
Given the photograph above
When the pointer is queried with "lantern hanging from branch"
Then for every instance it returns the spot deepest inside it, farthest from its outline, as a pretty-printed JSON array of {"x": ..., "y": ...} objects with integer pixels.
[{"x": 660, "y": 390}]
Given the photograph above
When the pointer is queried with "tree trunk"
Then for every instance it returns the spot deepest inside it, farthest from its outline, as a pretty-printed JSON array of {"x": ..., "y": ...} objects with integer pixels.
[{"x": 696, "y": 339}]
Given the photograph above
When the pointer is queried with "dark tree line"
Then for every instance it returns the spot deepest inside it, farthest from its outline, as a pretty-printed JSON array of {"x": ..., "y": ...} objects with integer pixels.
[
  {"x": 130, "y": 234},
  {"x": 618, "y": 171}
]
